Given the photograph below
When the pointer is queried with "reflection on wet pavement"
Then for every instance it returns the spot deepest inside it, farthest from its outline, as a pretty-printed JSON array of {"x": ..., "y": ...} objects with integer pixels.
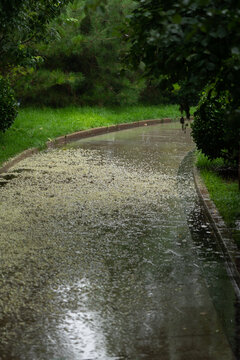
[{"x": 98, "y": 260}]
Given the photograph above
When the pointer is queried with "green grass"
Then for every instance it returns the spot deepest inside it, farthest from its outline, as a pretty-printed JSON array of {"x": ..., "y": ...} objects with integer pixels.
[
  {"x": 224, "y": 192},
  {"x": 34, "y": 126}
]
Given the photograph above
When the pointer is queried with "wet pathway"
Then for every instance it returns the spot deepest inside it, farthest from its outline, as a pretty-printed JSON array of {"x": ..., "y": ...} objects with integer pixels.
[{"x": 98, "y": 260}]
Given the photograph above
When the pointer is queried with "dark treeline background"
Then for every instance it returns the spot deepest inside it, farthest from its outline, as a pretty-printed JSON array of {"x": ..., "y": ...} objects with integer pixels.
[{"x": 82, "y": 62}]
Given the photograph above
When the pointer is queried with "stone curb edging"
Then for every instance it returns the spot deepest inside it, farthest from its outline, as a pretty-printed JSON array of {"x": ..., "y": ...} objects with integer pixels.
[
  {"x": 222, "y": 232},
  {"x": 62, "y": 140},
  {"x": 23, "y": 155}
]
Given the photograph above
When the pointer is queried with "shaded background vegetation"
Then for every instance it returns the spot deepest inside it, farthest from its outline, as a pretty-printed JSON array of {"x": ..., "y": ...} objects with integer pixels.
[{"x": 82, "y": 62}]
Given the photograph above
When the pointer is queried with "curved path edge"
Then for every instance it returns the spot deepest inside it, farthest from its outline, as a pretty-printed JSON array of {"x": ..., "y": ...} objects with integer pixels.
[
  {"x": 222, "y": 232},
  {"x": 62, "y": 140}
]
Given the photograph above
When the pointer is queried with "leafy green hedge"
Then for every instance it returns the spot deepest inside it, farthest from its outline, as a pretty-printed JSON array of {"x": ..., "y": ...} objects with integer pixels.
[
  {"x": 213, "y": 129},
  {"x": 8, "y": 105}
]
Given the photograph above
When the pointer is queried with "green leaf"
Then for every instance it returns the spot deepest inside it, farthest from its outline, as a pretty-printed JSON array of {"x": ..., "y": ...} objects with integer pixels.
[
  {"x": 177, "y": 19},
  {"x": 235, "y": 50},
  {"x": 210, "y": 66}
]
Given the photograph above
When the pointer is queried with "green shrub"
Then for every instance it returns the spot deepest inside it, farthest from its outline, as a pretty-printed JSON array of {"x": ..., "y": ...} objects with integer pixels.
[
  {"x": 8, "y": 105},
  {"x": 212, "y": 129}
]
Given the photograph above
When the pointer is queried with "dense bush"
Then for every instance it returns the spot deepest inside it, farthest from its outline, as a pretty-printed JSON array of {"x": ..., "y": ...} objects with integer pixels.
[
  {"x": 8, "y": 105},
  {"x": 212, "y": 128}
]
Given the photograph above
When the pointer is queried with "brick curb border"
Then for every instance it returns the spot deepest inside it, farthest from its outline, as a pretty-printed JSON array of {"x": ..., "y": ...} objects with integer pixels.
[
  {"x": 222, "y": 232},
  {"x": 62, "y": 140}
]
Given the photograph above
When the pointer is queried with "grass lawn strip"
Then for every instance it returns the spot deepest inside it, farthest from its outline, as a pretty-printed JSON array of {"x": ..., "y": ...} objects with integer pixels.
[
  {"x": 223, "y": 191},
  {"x": 34, "y": 127}
]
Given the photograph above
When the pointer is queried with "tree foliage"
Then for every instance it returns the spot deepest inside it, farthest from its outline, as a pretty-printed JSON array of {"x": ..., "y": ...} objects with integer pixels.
[
  {"x": 188, "y": 40},
  {"x": 195, "y": 43},
  {"x": 21, "y": 22},
  {"x": 83, "y": 59}
]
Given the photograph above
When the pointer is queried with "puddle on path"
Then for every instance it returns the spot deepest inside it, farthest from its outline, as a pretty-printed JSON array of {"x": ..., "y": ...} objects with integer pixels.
[{"x": 97, "y": 259}]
